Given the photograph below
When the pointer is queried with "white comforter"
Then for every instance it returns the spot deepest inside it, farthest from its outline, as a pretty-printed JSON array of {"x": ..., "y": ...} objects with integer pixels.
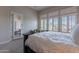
[{"x": 51, "y": 42}]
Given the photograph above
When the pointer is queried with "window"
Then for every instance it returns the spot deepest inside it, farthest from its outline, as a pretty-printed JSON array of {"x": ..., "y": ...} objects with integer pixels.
[
  {"x": 72, "y": 22},
  {"x": 43, "y": 19},
  {"x": 68, "y": 18},
  {"x": 43, "y": 24},
  {"x": 68, "y": 22},
  {"x": 62, "y": 20},
  {"x": 55, "y": 24},
  {"x": 64, "y": 23},
  {"x": 50, "y": 24},
  {"x": 16, "y": 25}
]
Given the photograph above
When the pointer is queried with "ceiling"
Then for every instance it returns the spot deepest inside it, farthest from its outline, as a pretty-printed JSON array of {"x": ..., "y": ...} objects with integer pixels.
[{"x": 39, "y": 8}]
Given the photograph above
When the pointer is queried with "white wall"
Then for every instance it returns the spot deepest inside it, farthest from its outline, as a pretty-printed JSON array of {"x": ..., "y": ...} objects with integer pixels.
[
  {"x": 53, "y": 8},
  {"x": 78, "y": 14},
  {"x": 29, "y": 18},
  {"x": 29, "y": 21},
  {"x": 5, "y": 28}
]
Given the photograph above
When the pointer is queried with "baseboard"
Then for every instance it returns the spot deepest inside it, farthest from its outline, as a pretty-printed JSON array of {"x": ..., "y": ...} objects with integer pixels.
[
  {"x": 17, "y": 38},
  {"x": 5, "y": 51},
  {"x": 4, "y": 42}
]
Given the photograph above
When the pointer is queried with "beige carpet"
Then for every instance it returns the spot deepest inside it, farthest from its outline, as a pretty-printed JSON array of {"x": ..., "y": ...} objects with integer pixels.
[{"x": 15, "y": 46}]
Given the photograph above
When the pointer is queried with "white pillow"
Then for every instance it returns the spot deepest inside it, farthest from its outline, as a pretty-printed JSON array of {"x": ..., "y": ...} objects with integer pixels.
[{"x": 75, "y": 34}]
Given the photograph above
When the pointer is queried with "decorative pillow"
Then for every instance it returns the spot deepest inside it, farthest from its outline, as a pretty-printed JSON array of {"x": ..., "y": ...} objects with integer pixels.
[{"x": 75, "y": 34}]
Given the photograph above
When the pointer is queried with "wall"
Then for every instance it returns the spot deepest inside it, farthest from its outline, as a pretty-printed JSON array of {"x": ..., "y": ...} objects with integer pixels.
[
  {"x": 78, "y": 14},
  {"x": 53, "y": 8},
  {"x": 29, "y": 18},
  {"x": 29, "y": 21},
  {"x": 5, "y": 28}
]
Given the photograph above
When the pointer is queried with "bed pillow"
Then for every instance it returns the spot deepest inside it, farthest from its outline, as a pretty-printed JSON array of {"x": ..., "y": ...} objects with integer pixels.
[{"x": 75, "y": 34}]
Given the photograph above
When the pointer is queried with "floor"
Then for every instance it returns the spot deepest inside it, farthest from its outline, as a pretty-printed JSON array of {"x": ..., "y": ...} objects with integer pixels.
[{"x": 15, "y": 46}]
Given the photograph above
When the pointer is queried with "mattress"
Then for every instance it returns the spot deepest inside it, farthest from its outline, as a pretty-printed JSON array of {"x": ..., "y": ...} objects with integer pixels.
[{"x": 51, "y": 42}]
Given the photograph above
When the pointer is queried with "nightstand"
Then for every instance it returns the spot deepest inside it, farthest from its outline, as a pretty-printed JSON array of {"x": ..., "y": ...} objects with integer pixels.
[{"x": 26, "y": 48}]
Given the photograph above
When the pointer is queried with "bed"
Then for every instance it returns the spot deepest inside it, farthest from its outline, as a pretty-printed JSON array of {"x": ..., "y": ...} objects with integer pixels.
[{"x": 51, "y": 42}]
